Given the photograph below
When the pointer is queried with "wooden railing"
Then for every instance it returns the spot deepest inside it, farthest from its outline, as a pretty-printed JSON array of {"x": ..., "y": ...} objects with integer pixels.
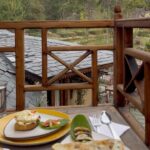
[
  {"x": 132, "y": 82},
  {"x": 44, "y": 26},
  {"x": 124, "y": 63}
]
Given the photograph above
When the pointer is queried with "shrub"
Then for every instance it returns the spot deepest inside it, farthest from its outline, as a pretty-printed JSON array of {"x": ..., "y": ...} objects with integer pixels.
[{"x": 147, "y": 46}]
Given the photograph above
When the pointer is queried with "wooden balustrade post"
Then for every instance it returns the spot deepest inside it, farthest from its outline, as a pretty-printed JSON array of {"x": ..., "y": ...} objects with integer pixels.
[
  {"x": 94, "y": 79},
  {"x": 118, "y": 58},
  {"x": 44, "y": 57},
  {"x": 20, "y": 73},
  {"x": 147, "y": 102}
]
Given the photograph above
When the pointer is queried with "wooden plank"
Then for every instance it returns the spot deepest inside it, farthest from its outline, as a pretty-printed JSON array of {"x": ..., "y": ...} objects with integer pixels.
[
  {"x": 71, "y": 67},
  {"x": 134, "y": 77},
  {"x": 80, "y": 48},
  {"x": 57, "y": 24},
  {"x": 139, "y": 54},
  {"x": 140, "y": 88},
  {"x": 59, "y": 75},
  {"x": 7, "y": 49},
  {"x": 51, "y": 98},
  {"x": 44, "y": 57},
  {"x": 134, "y": 23},
  {"x": 118, "y": 58},
  {"x": 127, "y": 42},
  {"x": 136, "y": 126},
  {"x": 64, "y": 86},
  {"x": 20, "y": 73},
  {"x": 133, "y": 98},
  {"x": 95, "y": 79},
  {"x": 118, "y": 67},
  {"x": 129, "y": 85},
  {"x": 147, "y": 102}
]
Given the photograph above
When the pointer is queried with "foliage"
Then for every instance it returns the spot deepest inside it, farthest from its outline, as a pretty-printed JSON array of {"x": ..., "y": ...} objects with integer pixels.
[
  {"x": 147, "y": 46},
  {"x": 11, "y": 10},
  {"x": 67, "y": 9},
  {"x": 80, "y": 95},
  {"x": 16, "y": 10}
]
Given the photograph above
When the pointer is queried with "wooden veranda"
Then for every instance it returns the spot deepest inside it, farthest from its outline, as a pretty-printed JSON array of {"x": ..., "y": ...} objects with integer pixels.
[{"x": 127, "y": 75}]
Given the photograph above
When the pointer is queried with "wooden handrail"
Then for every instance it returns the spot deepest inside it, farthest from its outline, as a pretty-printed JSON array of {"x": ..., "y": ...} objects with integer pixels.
[
  {"x": 132, "y": 98},
  {"x": 63, "y": 86},
  {"x": 81, "y": 48},
  {"x": 57, "y": 24},
  {"x": 139, "y": 54},
  {"x": 133, "y": 23},
  {"x": 7, "y": 49}
]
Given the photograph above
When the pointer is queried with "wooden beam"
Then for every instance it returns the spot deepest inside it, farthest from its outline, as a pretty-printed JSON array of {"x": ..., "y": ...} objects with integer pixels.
[
  {"x": 80, "y": 48},
  {"x": 118, "y": 67},
  {"x": 118, "y": 58},
  {"x": 136, "y": 126},
  {"x": 71, "y": 67},
  {"x": 51, "y": 98},
  {"x": 132, "y": 97},
  {"x": 44, "y": 57},
  {"x": 20, "y": 73},
  {"x": 64, "y": 86},
  {"x": 147, "y": 102},
  {"x": 95, "y": 79},
  {"x": 57, "y": 24},
  {"x": 60, "y": 74},
  {"x": 7, "y": 49},
  {"x": 134, "y": 23},
  {"x": 139, "y": 54}
]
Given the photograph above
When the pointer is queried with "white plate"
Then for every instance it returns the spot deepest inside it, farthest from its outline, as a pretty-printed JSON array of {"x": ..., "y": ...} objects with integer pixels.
[
  {"x": 11, "y": 133},
  {"x": 95, "y": 136}
]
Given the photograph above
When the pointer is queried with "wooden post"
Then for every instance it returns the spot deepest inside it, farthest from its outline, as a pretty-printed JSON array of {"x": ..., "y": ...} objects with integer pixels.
[
  {"x": 44, "y": 57},
  {"x": 51, "y": 98},
  {"x": 20, "y": 73},
  {"x": 147, "y": 102},
  {"x": 118, "y": 59},
  {"x": 94, "y": 79}
]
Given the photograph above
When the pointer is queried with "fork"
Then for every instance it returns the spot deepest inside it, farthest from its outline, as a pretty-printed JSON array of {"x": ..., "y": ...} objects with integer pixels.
[{"x": 95, "y": 122}]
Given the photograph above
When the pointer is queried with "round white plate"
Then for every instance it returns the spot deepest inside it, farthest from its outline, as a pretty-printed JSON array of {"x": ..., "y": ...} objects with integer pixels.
[{"x": 11, "y": 133}]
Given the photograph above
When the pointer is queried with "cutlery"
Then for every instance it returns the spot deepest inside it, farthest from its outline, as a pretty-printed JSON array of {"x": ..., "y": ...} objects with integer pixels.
[
  {"x": 106, "y": 119},
  {"x": 95, "y": 121}
]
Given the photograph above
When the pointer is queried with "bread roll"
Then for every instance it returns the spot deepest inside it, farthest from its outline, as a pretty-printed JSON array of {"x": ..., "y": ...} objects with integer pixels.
[{"x": 26, "y": 120}]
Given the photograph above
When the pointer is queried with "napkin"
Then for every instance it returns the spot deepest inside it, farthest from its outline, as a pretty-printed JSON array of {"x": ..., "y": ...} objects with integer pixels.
[{"x": 105, "y": 130}]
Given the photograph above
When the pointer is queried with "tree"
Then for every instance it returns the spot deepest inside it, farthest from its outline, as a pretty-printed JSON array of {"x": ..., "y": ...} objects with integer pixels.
[
  {"x": 34, "y": 10},
  {"x": 11, "y": 10},
  {"x": 16, "y": 10}
]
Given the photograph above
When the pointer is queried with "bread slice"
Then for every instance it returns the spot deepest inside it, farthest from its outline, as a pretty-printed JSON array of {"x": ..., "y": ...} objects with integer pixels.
[
  {"x": 26, "y": 120},
  {"x": 92, "y": 145},
  {"x": 26, "y": 126}
]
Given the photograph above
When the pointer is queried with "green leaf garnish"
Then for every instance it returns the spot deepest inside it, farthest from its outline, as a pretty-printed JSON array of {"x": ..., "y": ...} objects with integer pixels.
[
  {"x": 79, "y": 121},
  {"x": 62, "y": 123}
]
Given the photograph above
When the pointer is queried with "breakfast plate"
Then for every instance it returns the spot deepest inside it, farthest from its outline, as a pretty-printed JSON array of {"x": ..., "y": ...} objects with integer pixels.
[
  {"x": 39, "y": 136},
  {"x": 11, "y": 133}
]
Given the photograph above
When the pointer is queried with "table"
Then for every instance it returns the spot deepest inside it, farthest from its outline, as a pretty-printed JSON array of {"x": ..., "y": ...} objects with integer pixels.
[{"x": 129, "y": 137}]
